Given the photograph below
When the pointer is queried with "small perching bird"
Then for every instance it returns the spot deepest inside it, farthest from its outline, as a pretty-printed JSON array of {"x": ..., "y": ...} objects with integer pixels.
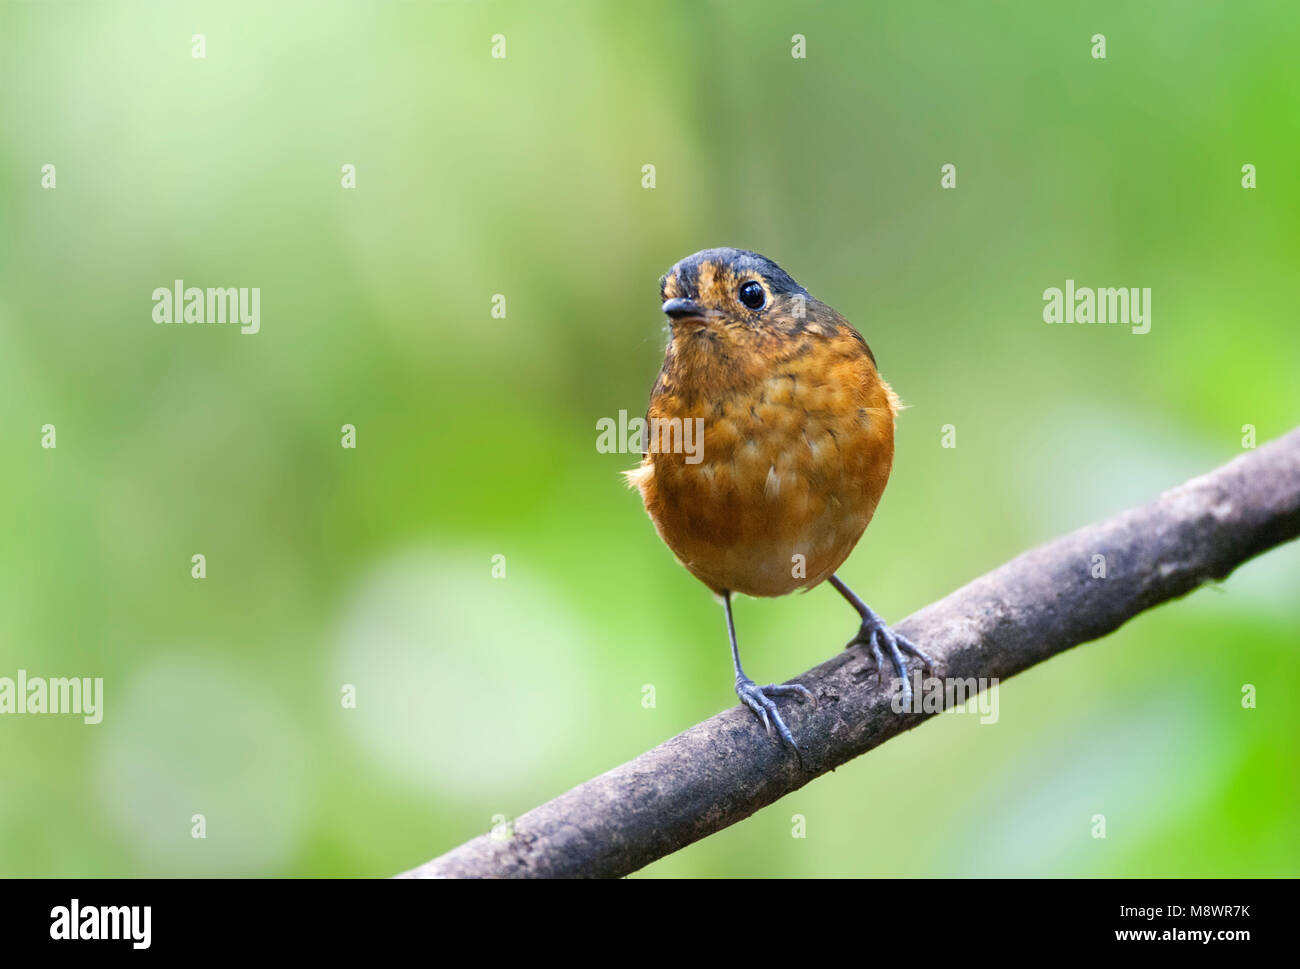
[{"x": 795, "y": 443}]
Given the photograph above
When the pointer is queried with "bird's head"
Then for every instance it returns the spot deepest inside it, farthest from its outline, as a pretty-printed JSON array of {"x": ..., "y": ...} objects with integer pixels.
[{"x": 733, "y": 293}]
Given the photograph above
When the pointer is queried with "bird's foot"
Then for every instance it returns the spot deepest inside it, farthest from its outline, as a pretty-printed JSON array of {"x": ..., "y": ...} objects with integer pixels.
[
  {"x": 876, "y": 634},
  {"x": 759, "y": 699}
]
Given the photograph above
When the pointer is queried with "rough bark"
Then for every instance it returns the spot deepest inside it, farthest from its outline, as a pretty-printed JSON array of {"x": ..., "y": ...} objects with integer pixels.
[{"x": 1033, "y": 607}]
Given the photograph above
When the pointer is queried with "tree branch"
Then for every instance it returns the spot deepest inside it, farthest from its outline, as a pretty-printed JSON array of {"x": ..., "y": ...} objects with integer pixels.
[{"x": 1035, "y": 606}]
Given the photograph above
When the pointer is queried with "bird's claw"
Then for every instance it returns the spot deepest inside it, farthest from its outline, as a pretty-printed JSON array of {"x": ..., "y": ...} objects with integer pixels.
[
  {"x": 759, "y": 699},
  {"x": 876, "y": 634}
]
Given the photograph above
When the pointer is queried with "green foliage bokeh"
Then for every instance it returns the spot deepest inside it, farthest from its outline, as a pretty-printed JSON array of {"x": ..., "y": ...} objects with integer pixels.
[{"x": 479, "y": 697}]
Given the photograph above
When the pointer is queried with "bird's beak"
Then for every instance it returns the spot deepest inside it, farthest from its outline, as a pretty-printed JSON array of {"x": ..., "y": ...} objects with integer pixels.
[{"x": 683, "y": 309}]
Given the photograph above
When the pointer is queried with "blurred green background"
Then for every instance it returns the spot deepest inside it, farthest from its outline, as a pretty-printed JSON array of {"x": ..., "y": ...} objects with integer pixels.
[{"x": 480, "y": 697}]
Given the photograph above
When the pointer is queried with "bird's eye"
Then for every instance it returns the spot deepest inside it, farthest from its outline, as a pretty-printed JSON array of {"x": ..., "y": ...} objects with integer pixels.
[{"x": 752, "y": 295}]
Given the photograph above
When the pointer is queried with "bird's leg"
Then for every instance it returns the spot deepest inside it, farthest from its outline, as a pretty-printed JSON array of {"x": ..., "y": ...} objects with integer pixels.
[
  {"x": 875, "y": 632},
  {"x": 759, "y": 698}
]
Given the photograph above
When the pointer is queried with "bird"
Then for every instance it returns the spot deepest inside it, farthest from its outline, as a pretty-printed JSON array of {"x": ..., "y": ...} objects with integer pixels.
[{"x": 769, "y": 440}]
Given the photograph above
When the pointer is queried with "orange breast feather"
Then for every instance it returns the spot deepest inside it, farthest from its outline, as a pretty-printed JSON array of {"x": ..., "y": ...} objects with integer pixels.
[{"x": 795, "y": 457}]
